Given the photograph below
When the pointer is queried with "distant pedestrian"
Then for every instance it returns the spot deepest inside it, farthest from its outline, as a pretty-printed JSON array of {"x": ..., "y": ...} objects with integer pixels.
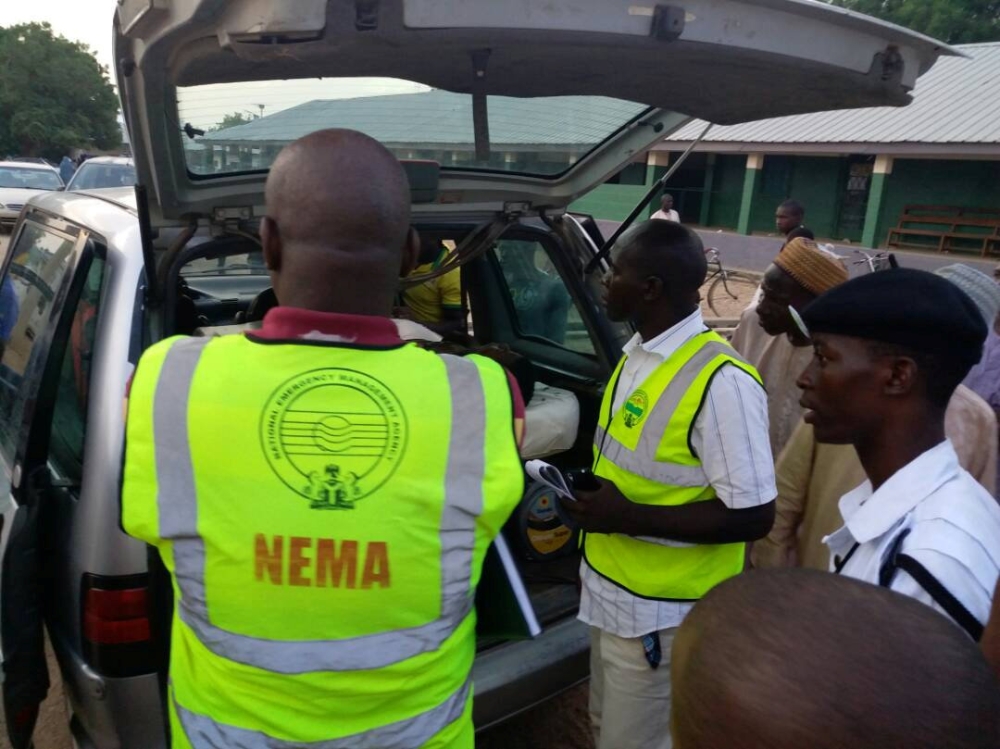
[
  {"x": 667, "y": 212},
  {"x": 797, "y": 659},
  {"x": 890, "y": 350},
  {"x": 789, "y": 220},
  {"x": 66, "y": 169}
]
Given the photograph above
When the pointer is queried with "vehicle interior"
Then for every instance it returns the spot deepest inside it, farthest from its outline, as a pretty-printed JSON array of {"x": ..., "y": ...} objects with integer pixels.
[{"x": 524, "y": 302}]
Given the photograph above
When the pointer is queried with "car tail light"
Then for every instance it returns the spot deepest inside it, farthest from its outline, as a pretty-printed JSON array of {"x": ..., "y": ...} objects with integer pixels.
[
  {"x": 116, "y": 617},
  {"x": 117, "y": 624}
]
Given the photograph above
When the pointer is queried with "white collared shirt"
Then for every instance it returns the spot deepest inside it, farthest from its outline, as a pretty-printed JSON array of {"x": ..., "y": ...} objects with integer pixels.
[
  {"x": 730, "y": 436},
  {"x": 670, "y": 215},
  {"x": 953, "y": 524}
]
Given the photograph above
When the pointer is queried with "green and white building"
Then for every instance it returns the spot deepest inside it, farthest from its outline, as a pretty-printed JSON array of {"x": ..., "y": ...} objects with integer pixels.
[{"x": 854, "y": 170}]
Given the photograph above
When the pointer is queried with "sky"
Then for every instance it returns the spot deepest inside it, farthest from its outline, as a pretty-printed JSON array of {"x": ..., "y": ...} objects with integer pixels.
[{"x": 89, "y": 21}]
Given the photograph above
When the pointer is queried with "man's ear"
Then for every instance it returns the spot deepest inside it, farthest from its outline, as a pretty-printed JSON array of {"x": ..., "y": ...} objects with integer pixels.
[
  {"x": 902, "y": 376},
  {"x": 652, "y": 288},
  {"x": 270, "y": 243},
  {"x": 411, "y": 253}
]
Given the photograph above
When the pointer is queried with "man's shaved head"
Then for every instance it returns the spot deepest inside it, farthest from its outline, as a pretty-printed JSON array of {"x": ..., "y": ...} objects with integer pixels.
[
  {"x": 800, "y": 659},
  {"x": 338, "y": 219}
]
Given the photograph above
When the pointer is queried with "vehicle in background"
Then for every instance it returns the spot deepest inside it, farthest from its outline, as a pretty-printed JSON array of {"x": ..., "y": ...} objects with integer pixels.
[
  {"x": 19, "y": 181},
  {"x": 103, "y": 171},
  {"x": 30, "y": 160}
]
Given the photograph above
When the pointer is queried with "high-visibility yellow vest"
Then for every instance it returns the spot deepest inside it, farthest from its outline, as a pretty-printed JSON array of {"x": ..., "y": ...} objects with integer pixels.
[
  {"x": 645, "y": 450},
  {"x": 324, "y": 511}
]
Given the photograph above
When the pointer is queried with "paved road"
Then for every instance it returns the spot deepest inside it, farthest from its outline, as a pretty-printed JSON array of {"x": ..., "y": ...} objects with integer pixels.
[{"x": 756, "y": 252}]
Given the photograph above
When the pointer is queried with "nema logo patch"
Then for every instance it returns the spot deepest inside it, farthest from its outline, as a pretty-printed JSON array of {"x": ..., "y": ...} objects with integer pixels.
[
  {"x": 635, "y": 408},
  {"x": 333, "y": 436}
]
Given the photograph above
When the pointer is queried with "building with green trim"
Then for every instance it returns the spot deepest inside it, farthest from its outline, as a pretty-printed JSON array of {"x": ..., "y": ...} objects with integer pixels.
[{"x": 854, "y": 170}]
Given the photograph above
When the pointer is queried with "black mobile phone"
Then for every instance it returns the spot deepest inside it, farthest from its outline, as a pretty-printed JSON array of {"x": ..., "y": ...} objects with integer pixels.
[{"x": 583, "y": 479}]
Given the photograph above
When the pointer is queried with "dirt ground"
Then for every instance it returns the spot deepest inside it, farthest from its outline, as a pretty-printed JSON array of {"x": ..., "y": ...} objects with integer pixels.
[
  {"x": 52, "y": 731},
  {"x": 730, "y": 307},
  {"x": 561, "y": 723}
]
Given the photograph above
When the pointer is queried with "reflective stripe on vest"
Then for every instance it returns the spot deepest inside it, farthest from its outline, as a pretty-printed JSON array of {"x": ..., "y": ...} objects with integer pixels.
[
  {"x": 178, "y": 517},
  {"x": 205, "y": 733},
  {"x": 642, "y": 461}
]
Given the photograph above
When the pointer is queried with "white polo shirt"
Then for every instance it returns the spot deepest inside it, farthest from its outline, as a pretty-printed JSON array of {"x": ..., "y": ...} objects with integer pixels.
[
  {"x": 729, "y": 435},
  {"x": 952, "y": 525}
]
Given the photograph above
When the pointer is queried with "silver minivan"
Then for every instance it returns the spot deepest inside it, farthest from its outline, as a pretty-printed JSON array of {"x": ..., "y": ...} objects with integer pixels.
[{"x": 503, "y": 114}]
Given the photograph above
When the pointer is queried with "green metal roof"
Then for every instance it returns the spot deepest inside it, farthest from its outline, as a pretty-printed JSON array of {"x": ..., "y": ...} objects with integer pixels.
[
  {"x": 440, "y": 119},
  {"x": 956, "y": 102}
]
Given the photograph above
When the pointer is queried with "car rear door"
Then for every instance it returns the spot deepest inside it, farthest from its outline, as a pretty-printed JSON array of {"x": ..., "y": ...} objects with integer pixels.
[{"x": 41, "y": 279}]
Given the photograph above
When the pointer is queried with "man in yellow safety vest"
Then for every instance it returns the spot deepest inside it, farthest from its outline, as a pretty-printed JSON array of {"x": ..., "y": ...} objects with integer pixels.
[
  {"x": 686, "y": 479},
  {"x": 322, "y": 493}
]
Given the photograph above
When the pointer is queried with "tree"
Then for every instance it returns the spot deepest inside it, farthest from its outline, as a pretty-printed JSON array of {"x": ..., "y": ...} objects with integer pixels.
[
  {"x": 54, "y": 96},
  {"x": 234, "y": 119},
  {"x": 952, "y": 21}
]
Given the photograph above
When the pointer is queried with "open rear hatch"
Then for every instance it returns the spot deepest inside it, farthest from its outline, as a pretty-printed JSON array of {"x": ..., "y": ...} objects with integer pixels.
[{"x": 608, "y": 77}]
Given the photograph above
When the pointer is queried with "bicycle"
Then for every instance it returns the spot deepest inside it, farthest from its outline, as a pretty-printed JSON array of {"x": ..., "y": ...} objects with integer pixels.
[
  {"x": 739, "y": 286},
  {"x": 876, "y": 261}
]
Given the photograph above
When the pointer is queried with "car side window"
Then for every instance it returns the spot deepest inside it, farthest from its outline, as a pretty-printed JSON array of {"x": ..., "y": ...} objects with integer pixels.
[
  {"x": 542, "y": 304},
  {"x": 69, "y": 416},
  {"x": 30, "y": 294}
]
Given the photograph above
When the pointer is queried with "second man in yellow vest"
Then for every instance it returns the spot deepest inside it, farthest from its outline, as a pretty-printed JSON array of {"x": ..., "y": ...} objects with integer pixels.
[{"x": 686, "y": 479}]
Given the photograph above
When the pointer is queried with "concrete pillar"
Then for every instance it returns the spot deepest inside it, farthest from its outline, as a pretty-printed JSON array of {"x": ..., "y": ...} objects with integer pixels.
[
  {"x": 706, "y": 190},
  {"x": 755, "y": 163},
  {"x": 876, "y": 193}
]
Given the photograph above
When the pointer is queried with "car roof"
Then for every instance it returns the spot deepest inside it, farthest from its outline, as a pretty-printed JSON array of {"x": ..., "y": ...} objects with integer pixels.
[
  {"x": 28, "y": 165},
  {"x": 108, "y": 160}
]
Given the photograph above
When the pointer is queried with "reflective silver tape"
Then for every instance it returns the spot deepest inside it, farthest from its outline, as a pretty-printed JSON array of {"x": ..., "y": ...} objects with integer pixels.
[
  {"x": 674, "y": 474},
  {"x": 178, "y": 510},
  {"x": 204, "y": 733},
  {"x": 666, "y": 405},
  {"x": 642, "y": 460}
]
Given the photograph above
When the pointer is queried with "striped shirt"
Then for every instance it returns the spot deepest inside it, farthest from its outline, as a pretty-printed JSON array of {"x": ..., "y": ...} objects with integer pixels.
[
  {"x": 952, "y": 525},
  {"x": 731, "y": 438}
]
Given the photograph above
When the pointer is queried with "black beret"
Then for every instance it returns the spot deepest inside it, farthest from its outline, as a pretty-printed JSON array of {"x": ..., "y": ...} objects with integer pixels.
[{"x": 903, "y": 306}]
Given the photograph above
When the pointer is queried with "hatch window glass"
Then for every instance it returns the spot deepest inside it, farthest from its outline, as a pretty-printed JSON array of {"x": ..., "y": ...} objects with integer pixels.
[{"x": 246, "y": 124}]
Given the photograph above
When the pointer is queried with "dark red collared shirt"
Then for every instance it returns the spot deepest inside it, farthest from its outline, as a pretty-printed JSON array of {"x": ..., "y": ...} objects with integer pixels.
[{"x": 292, "y": 323}]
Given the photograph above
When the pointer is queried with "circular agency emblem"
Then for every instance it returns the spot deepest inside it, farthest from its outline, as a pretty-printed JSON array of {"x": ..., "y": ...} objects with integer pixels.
[
  {"x": 333, "y": 436},
  {"x": 635, "y": 408}
]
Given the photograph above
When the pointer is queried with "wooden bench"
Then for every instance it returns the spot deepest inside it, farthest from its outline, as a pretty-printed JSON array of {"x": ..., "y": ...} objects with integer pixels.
[{"x": 947, "y": 229}]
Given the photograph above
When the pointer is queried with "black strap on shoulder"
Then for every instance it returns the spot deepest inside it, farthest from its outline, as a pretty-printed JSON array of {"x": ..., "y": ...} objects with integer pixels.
[
  {"x": 839, "y": 564},
  {"x": 941, "y": 595}
]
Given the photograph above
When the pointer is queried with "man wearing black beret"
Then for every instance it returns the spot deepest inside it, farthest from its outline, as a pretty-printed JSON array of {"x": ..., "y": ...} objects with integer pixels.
[{"x": 890, "y": 349}]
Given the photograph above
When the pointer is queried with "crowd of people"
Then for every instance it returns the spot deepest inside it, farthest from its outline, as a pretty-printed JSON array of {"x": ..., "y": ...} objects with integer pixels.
[
  {"x": 834, "y": 432},
  {"x": 846, "y": 412}
]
